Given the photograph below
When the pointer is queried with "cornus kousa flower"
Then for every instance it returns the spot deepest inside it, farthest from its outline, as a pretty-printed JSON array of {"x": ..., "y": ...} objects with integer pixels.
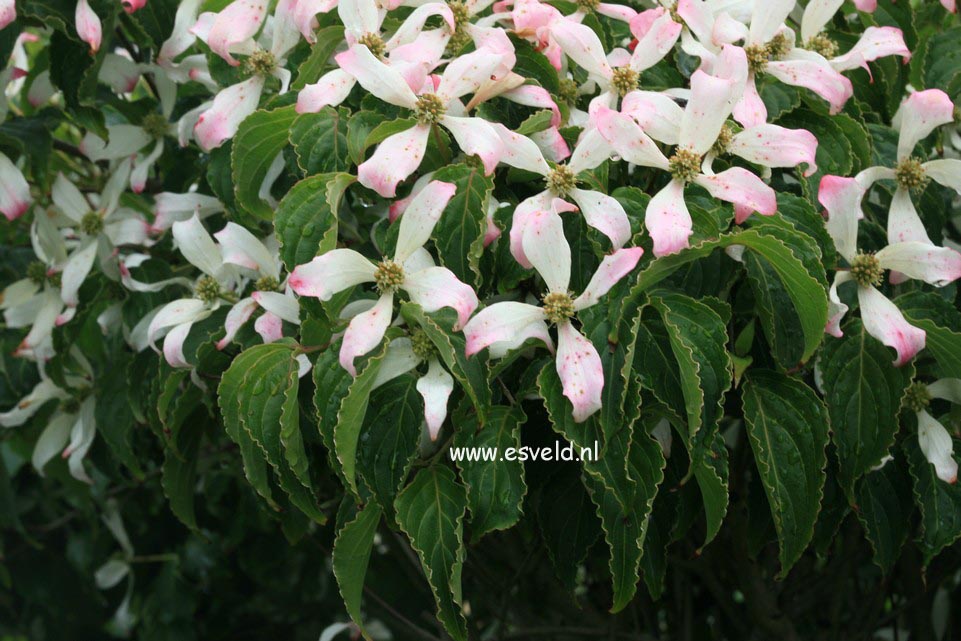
[
  {"x": 410, "y": 270},
  {"x": 769, "y": 146},
  {"x": 100, "y": 225},
  {"x": 128, "y": 141},
  {"x": 71, "y": 429},
  {"x": 667, "y": 218},
  {"x": 874, "y": 43},
  {"x": 600, "y": 211},
  {"x": 226, "y": 267},
  {"x": 920, "y": 114},
  {"x": 934, "y": 440},
  {"x": 921, "y": 260},
  {"x": 769, "y": 48},
  {"x": 35, "y": 301},
  {"x": 618, "y": 74},
  {"x": 399, "y": 155},
  {"x": 578, "y": 363},
  {"x": 412, "y": 53},
  {"x": 405, "y": 354},
  {"x": 231, "y": 31}
]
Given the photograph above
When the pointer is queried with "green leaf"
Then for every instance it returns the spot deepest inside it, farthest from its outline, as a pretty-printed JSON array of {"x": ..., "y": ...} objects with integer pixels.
[
  {"x": 807, "y": 295},
  {"x": 682, "y": 358},
  {"x": 788, "y": 428},
  {"x": 269, "y": 413},
  {"x": 885, "y": 509},
  {"x": 568, "y": 523},
  {"x": 179, "y": 477},
  {"x": 311, "y": 69},
  {"x": 940, "y": 503},
  {"x": 459, "y": 234},
  {"x": 698, "y": 337},
  {"x": 115, "y": 419},
  {"x": 863, "y": 391},
  {"x": 938, "y": 64},
  {"x": 388, "y": 445},
  {"x": 359, "y": 127},
  {"x": 495, "y": 489},
  {"x": 431, "y": 512},
  {"x": 471, "y": 372},
  {"x": 350, "y": 557},
  {"x": 254, "y": 459},
  {"x": 539, "y": 121},
  {"x": 306, "y": 218},
  {"x": 331, "y": 384},
  {"x": 940, "y": 342},
  {"x": 625, "y": 532},
  {"x": 320, "y": 141},
  {"x": 611, "y": 467},
  {"x": 350, "y": 416},
  {"x": 261, "y": 136}
]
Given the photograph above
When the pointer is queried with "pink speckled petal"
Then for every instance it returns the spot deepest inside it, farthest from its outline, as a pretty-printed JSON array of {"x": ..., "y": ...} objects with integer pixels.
[
  {"x": 836, "y": 309},
  {"x": 884, "y": 321},
  {"x": 739, "y": 186},
  {"x": 420, "y": 216},
  {"x": 236, "y": 23},
  {"x": 580, "y": 370},
  {"x": 841, "y": 198},
  {"x": 330, "y": 273},
  {"x": 500, "y": 322},
  {"x": 547, "y": 249},
  {"x": 921, "y": 113},
  {"x": 229, "y": 109},
  {"x": 476, "y": 137},
  {"x": 15, "y": 196},
  {"x": 775, "y": 146},
  {"x": 904, "y": 224},
  {"x": 88, "y": 25},
  {"x": 875, "y": 42},
  {"x": 436, "y": 287},
  {"x": 270, "y": 327},
  {"x": 814, "y": 73},
  {"x": 938, "y": 266},
  {"x": 435, "y": 387},
  {"x": 712, "y": 100},
  {"x": 365, "y": 332},
  {"x": 612, "y": 269},
  {"x": 668, "y": 221},
  {"x": 239, "y": 314},
  {"x": 581, "y": 45},
  {"x": 396, "y": 158},
  {"x": 628, "y": 139},
  {"x": 604, "y": 214},
  {"x": 332, "y": 89}
]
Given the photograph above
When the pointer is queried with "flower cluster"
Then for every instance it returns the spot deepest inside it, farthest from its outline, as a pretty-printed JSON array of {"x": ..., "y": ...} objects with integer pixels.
[{"x": 547, "y": 106}]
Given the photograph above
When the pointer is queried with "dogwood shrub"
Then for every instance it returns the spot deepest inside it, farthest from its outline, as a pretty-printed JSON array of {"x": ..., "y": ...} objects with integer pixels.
[{"x": 335, "y": 282}]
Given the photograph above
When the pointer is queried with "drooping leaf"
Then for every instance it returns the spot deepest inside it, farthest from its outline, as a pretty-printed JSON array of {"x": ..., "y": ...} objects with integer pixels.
[
  {"x": 431, "y": 512},
  {"x": 885, "y": 505},
  {"x": 350, "y": 557},
  {"x": 940, "y": 503},
  {"x": 495, "y": 489},
  {"x": 863, "y": 391},
  {"x": 788, "y": 428}
]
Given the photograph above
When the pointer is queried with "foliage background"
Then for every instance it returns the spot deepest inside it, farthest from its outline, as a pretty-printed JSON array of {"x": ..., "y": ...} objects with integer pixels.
[{"x": 211, "y": 561}]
